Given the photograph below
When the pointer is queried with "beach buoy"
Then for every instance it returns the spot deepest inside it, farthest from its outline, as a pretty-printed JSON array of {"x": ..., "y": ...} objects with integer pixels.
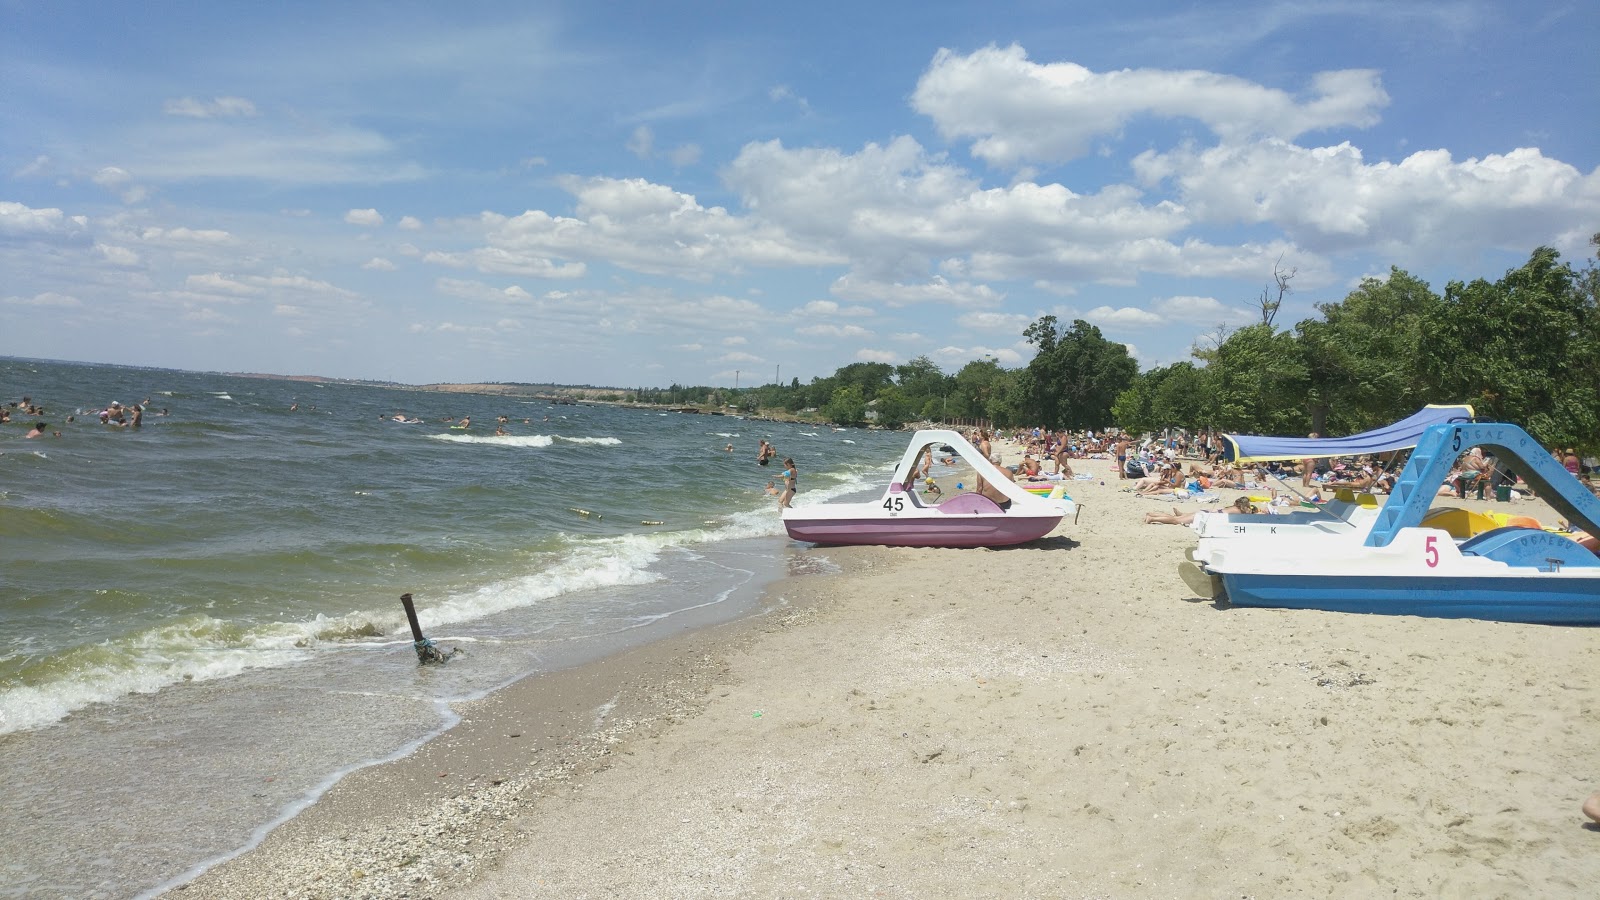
[
  {"x": 652, "y": 522},
  {"x": 585, "y": 513}
]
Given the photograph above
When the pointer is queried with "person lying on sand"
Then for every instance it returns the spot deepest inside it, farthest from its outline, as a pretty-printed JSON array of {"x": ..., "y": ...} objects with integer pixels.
[
  {"x": 1158, "y": 484},
  {"x": 1241, "y": 505}
]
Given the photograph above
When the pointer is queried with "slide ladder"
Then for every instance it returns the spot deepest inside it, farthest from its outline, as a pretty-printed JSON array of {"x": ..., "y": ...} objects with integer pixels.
[{"x": 1438, "y": 449}]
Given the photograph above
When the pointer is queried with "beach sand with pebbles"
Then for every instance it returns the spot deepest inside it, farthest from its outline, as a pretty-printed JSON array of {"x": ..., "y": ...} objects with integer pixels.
[{"x": 1062, "y": 719}]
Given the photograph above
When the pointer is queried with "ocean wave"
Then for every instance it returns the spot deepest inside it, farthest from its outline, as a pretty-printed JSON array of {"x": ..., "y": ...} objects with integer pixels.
[
  {"x": 524, "y": 440},
  {"x": 197, "y": 648},
  {"x": 203, "y": 648},
  {"x": 499, "y": 440}
]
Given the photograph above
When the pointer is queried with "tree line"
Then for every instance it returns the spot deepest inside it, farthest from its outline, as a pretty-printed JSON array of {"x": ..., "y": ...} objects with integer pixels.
[{"x": 1522, "y": 349}]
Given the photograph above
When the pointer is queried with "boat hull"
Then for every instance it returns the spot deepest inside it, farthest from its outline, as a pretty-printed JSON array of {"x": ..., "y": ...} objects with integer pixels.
[
  {"x": 942, "y": 531},
  {"x": 1004, "y": 515},
  {"x": 1535, "y": 599}
]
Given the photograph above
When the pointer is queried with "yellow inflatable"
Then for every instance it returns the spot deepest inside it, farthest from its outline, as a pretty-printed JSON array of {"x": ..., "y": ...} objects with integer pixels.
[{"x": 1461, "y": 523}]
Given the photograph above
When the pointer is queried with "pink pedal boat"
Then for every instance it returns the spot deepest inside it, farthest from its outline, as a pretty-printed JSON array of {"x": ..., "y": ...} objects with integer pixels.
[{"x": 903, "y": 518}]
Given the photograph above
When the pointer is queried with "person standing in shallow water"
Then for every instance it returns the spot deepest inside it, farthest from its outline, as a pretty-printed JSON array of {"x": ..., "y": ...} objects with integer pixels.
[{"x": 791, "y": 481}]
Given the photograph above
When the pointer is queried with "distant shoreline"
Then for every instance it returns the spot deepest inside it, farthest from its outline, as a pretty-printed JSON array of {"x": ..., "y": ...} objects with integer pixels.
[{"x": 555, "y": 393}]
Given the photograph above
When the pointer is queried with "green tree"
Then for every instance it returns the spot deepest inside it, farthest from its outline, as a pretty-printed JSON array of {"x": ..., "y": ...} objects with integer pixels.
[
  {"x": 975, "y": 386},
  {"x": 1258, "y": 382},
  {"x": 870, "y": 377},
  {"x": 1075, "y": 375},
  {"x": 1174, "y": 396},
  {"x": 1007, "y": 405},
  {"x": 847, "y": 406},
  {"x": 1514, "y": 349},
  {"x": 1364, "y": 356},
  {"x": 921, "y": 380},
  {"x": 1134, "y": 408},
  {"x": 892, "y": 407}
]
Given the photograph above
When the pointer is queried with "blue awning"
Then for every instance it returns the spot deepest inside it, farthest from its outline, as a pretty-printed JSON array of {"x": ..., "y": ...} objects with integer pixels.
[{"x": 1399, "y": 436}]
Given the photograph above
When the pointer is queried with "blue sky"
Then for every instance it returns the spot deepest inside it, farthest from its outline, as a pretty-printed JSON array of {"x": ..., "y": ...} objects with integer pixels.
[{"x": 646, "y": 193}]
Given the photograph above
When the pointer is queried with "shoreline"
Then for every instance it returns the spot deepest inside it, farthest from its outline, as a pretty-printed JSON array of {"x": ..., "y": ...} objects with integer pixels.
[
  {"x": 442, "y": 809},
  {"x": 1057, "y": 719}
]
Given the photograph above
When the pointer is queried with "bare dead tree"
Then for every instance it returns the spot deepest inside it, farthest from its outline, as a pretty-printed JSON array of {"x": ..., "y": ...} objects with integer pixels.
[
  {"x": 1205, "y": 346},
  {"x": 1268, "y": 303}
]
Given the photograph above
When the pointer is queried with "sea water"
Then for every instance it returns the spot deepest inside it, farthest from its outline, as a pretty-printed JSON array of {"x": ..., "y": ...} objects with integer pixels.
[{"x": 200, "y": 623}]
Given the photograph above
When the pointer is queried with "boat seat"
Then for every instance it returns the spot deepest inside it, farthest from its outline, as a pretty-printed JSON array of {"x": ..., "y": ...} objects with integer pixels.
[
  {"x": 971, "y": 503},
  {"x": 1518, "y": 546}
]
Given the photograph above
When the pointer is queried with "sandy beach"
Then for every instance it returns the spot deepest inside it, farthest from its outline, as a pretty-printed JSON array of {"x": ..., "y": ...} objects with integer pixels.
[{"x": 1062, "y": 719}]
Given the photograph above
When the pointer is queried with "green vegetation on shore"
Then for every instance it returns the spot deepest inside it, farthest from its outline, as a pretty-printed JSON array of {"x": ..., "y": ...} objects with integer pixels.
[{"x": 1523, "y": 349}]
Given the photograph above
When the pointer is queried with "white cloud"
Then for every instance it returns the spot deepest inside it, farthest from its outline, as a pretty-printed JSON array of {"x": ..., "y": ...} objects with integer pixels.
[
  {"x": 829, "y": 308},
  {"x": 957, "y": 357},
  {"x": 936, "y": 290},
  {"x": 117, "y": 256},
  {"x": 39, "y": 168},
  {"x": 216, "y": 282},
  {"x": 292, "y": 151},
  {"x": 284, "y": 309},
  {"x": 1019, "y": 110},
  {"x": 1202, "y": 311},
  {"x": 737, "y": 357},
  {"x": 368, "y": 217},
  {"x": 49, "y": 299},
  {"x": 737, "y": 340},
  {"x": 833, "y": 331},
  {"x": 646, "y": 228},
  {"x": 994, "y": 321},
  {"x": 172, "y": 236},
  {"x": 877, "y": 356},
  {"x": 892, "y": 210},
  {"x": 378, "y": 264},
  {"x": 301, "y": 284},
  {"x": 1126, "y": 317},
  {"x": 409, "y": 223},
  {"x": 642, "y": 142},
  {"x": 111, "y": 177},
  {"x": 498, "y": 261},
  {"x": 477, "y": 290},
  {"x": 207, "y": 109},
  {"x": 782, "y": 93},
  {"x": 684, "y": 155},
  {"x": 19, "y": 220},
  {"x": 1330, "y": 199}
]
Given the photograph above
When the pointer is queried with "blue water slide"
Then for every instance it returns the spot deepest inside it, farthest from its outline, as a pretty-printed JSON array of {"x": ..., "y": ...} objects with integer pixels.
[{"x": 1439, "y": 447}]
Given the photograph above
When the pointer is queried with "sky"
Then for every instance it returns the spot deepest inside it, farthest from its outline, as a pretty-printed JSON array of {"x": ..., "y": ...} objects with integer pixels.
[{"x": 645, "y": 193}]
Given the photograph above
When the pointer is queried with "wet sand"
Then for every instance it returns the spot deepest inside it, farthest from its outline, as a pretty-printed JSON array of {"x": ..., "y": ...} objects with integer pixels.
[{"x": 1057, "y": 720}]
